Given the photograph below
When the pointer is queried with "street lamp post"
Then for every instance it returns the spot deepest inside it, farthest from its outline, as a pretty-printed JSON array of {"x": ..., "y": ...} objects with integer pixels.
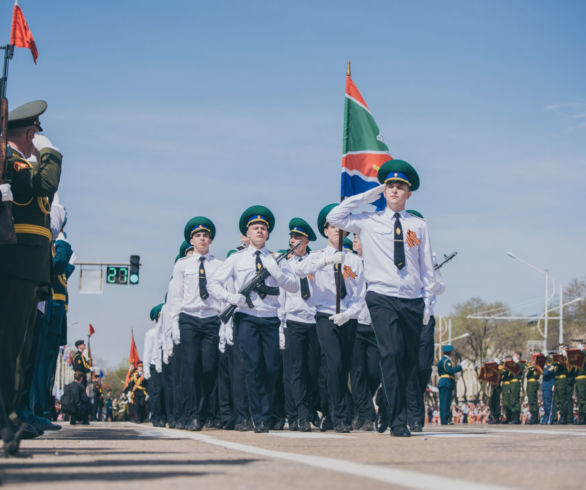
[{"x": 546, "y": 273}]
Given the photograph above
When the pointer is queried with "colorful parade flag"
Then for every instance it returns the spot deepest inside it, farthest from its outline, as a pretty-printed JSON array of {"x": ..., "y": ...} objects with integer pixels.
[
  {"x": 364, "y": 150},
  {"x": 92, "y": 330},
  {"x": 20, "y": 34},
  {"x": 133, "y": 357}
]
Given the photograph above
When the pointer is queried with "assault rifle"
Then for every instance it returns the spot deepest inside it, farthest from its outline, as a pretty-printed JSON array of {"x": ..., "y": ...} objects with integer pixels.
[
  {"x": 447, "y": 258},
  {"x": 256, "y": 284},
  {"x": 7, "y": 234}
]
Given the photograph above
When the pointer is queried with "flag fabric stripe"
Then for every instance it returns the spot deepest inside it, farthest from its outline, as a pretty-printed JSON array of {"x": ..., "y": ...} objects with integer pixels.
[
  {"x": 20, "y": 34},
  {"x": 364, "y": 150},
  {"x": 133, "y": 357},
  {"x": 92, "y": 330}
]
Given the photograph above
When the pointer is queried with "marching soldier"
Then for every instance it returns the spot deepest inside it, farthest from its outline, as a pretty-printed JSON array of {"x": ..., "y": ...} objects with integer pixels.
[
  {"x": 194, "y": 314},
  {"x": 513, "y": 390},
  {"x": 138, "y": 392},
  {"x": 25, "y": 267},
  {"x": 561, "y": 385},
  {"x": 151, "y": 374},
  {"x": 398, "y": 266},
  {"x": 547, "y": 384},
  {"x": 79, "y": 361},
  {"x": 302, "y": 350},
  {"x": 256, "y": 327},
  {"x": 336, "y": 331},
  {"x": 447, "y": 382}
]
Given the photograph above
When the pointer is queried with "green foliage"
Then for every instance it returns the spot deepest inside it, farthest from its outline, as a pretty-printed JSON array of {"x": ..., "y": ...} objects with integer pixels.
[{"x": 114, "y": 378}]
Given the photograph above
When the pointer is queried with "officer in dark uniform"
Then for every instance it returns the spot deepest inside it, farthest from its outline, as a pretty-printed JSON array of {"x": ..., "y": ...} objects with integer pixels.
[
  {"x": 79, "y": 361},
  {"x": 447, "y": 382},
  {"x": 547, "y": 384},
  {"x": 561, "y": 388},
  {"x": 138, "y": 392},
  {"x": 24, "y": 267}
]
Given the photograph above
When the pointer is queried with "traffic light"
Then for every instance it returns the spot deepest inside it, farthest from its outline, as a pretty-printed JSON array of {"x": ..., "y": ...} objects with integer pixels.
[{"x": 134, "y": 269}]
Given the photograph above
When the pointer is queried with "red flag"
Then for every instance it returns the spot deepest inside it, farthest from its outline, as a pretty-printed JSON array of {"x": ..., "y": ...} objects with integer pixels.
[
  {"x": 92, "y": 330},
  {"x": 20, "y": 34},
  {"x": 133, "y": 357}
]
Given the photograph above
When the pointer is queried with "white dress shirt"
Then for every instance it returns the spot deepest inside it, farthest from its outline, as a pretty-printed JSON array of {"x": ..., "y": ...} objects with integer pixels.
[
  {"x": 241, "y": 267},
  {"x": 323, "y": 291},
  {"x": 364, "y": 315},
  {"x": 293, "y": 306},
  {"x": 375, "y": 230},
  {"x": 183, "y": 295},
  {"x": 149, "y": 350}
]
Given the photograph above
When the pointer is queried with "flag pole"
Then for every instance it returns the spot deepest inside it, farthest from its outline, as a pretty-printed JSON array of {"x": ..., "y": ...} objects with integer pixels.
[{"x": 340, "y": 240}]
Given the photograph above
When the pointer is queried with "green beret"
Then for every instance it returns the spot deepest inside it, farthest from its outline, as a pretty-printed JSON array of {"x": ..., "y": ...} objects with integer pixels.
[
  {"x": 301, "y": 227},
  {"x": 347, "y": 244},
  {"x": 184, "y": 248},
  {"x": 156, "y": 311},
  {"x": 321, "y": 218},
  {"x": 398, "y": 170},
  {"x": 415, "y": 213},
  {"x": 27, "y": 115},
  {"x": 199, "y": 223},
  {"x": 447, "y": 348},
  {"x": 256, "y": 214}
]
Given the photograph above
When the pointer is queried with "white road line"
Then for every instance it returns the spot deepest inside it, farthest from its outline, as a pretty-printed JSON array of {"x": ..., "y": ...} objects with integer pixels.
[
  {"x": 309, "y": 435},
  {"x": 462, "y": 435},
  {"x": 542, "y": 432},
  {"x": 403, "y": 478}
]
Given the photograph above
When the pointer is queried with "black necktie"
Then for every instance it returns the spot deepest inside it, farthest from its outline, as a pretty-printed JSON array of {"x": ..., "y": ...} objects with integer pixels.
[
  {"x": 259, "y": 266},
  {"x": 399, "y": 256},
  {"x": 304, "y": 283},
  {"x": 343, "y": 288},
  {"x": 203, "y": 290}
]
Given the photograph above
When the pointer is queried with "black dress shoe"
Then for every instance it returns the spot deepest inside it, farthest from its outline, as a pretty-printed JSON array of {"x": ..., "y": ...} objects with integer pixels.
[
  {"x": 28, "y": 431},
  {"x": 242, "y": 427},
  {"x": 367, "y": 425},
  {"x": 325, "y": 424},
  {"x": 293, "y": 425},
  {"x": 415, "y": 427},
  {"x": 277, "y": 424},
  {"x": 400, "y": 432},
  {"x": 342, "y": 427},
  {"x": 304, "y": 426},
  {"x": 194, "y": 426},
  {"x": 261, "y": 428},
  {"x": 381, "y": 422}
]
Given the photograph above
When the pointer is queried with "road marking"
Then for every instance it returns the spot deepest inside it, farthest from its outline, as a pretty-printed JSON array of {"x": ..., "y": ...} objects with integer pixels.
[
  {"x": 542, "y": 432},
  {"x": 309, "y": 435},
  {"x": 463, "y": 435},
  {"x": 403, "y": 478}
]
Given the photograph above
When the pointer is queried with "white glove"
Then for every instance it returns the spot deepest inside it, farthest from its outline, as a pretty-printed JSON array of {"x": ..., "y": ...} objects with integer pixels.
[
  {"x": 40, "y": 141},
  {"x": 426, "y": 312},
  {"x": 229, "y": 334},
  {"x": 6, "y": 192},
  {"x": 237, "y": 299},
  {"x": 340, "y": 318},
  {"x": 222, "y": 342},
  {"x": 374, "y": 193},
  {"x": 175, "y": 334},
  {"x": 335, "y": 258},
  {"x": 270, "y": 264},
  {"x": 282, "y": 336}
]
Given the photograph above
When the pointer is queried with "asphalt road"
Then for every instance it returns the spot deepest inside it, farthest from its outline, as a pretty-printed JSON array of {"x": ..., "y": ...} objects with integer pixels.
[{"x": 130, "y": 456}]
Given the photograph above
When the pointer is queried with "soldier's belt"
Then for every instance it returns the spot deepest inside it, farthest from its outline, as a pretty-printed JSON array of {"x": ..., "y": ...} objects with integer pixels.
[
  {"x": 561, "y": 376},
  {"x": 447, "y": 376},
  {"x": 514, "y": 381},
  {"x": 533, "y": 379},
  {"x": 582, "y": 376},
  {"x": 59, "y": 297},
  {"x": 33, "y": 230},
  {"x": 506, "y": 382}
]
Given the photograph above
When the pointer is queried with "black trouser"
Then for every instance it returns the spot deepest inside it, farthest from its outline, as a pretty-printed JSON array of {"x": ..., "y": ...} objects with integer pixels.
[
  {"x": 18, "y": 307},
  {"x": 336, "y": 343},
  {"x": 238, "y": 385},
  {"x": 365, "y": 372},
  {"x": 197, "y": 364},
  {"x": 167, "y": 391},
  {"x": 258, "y": 339},
  {"x": 397, "y": 324},
  {"x": 139, "y": 406},
  {"x": 155, "y": 390},
  {"x": 224, "y": 396},
  {"x": 303, "y": 354},
  {"x": 420, "y": 376}
]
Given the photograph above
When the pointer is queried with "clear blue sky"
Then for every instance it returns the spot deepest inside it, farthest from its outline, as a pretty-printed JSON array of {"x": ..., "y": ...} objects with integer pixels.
[{"x": 166, "y": 110}]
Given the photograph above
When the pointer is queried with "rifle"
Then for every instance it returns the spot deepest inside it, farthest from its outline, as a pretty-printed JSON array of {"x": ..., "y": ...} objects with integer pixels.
[
  {"x": 255, "y": 284},
  {"x": 7, "y": 234},
  {"x": 445, "y": 261}
]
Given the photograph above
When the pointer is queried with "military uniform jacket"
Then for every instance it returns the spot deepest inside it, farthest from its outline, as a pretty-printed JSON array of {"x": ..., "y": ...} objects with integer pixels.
[
  {"x": 61, "y": 271},
  {"x": 138, "y": 385},
  {"x": 33, "y": 186},
  {"x": 79, "y": 363},
  {"x": 446, "y": 371}
]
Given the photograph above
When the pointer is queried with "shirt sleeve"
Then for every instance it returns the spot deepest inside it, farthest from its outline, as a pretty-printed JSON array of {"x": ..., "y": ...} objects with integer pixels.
[
  {"x": 427, "y": 274},
  {"x": 175, "y": 296},
  {"x": 341, "y": 215},
  {"x": 288, "y": 280},
  {"x": 360, "y": 292},
  {"x": 308, "y": 265},
  {"x": 220, "y": 278}
]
